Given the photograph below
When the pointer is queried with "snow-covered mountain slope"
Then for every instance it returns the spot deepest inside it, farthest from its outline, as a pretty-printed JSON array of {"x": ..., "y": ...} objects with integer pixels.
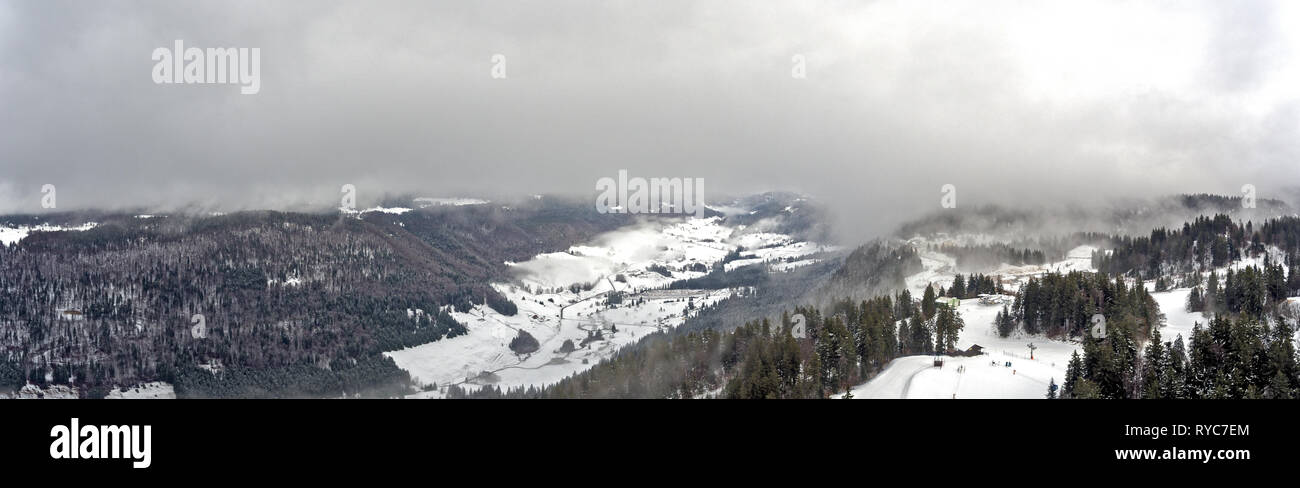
[
  {"x": 631, "y": 261},
  {"x": 989, "y": 376},
  {"x": 941, "y": 269}
]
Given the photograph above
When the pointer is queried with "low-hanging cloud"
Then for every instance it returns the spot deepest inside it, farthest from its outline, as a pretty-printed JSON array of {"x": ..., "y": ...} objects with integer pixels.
[{"x": 1014, "y": 103}]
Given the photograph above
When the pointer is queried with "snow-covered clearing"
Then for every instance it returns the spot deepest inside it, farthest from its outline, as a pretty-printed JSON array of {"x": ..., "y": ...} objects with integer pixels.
[
  {"x": 938, "y": 268},
  {"x": 11, "y": 235},
  {"x": 941, "y": 269},
  {"x": 1178, "y": 321},
  {"x": 156, "y": 389},
  {"x": 424, "y": 202},
  {"x": 387, "y": 210},
  {"x": 53, "y": 392}
]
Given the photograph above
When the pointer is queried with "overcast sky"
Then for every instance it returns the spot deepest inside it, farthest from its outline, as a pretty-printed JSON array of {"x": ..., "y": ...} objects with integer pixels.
[{"x": 1013, "y": 102}]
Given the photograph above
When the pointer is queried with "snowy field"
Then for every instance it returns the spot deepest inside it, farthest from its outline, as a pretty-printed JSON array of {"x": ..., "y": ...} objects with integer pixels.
[
  {"x": 152, "y": 390},
  {"x": 52, "y": 392},
  {"x": 425, "y": 202},
  {"x": 1178, "y": 321},
  {"x": 156, "y": 389},
  {"x": 483, "y": 357},
  {"x": 11, "y": 235}
]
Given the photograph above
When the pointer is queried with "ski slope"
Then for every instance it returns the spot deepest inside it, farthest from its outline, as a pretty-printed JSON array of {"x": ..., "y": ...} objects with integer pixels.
[
  {"x": 988, "y": 376},
  {"x": 985, "y": 376}
]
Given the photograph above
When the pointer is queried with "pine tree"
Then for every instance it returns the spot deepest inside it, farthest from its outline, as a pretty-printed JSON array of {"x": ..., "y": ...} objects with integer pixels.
[
  {"x": 1213, "y": 298},
  {"x": 1153, "y": 367},
  {"x": 1282, "y": 361},
  {"x": 958, "y": 289},
  {"x": 1006, "y": 324},
  {"x": 1194, "y": 301},
  {"x": 904, "y": 304},
  {"x": 921, "y": 338},
  {"x": 1073, "y": 374},
  {"x": 927, "y": 303},
  {"x": 947, "y": 326}
]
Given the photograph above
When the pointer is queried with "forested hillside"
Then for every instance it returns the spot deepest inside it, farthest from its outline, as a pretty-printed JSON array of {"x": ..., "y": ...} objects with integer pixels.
[
  {"x": 873, "y": 269},
  {"x": 1202, "y": 244},
  {"x": 1119, "y": 217},
  {"x": 293, "y": 304}
]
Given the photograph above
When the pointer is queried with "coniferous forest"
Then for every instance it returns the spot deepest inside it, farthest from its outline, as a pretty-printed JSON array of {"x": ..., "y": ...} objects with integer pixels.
[{"x": 291, "y": 304}]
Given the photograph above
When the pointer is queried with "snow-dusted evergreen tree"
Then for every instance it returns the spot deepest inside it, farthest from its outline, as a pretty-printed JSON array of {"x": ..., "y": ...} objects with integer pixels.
[
  {"x": 927, "y": 303},
  {"x": 1073, "y": 373},
  {"x": 1154, "y": 368}
]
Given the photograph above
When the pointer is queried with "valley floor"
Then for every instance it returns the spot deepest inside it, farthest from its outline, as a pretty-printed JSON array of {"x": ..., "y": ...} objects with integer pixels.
[{"x": 552, "y": 313}]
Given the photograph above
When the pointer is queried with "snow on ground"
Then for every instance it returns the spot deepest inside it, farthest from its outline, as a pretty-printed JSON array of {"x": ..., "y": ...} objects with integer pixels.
[
  {"x": 984, "y": 376},
  {"x": 485, "y": 348},
  {"x": 937, "y": 268},
  {"x": 424, "y": 202},
  {"x": 775, "y": 251},
  {"x": 987, "y": 376},
  {"x": 631, "y": 252},
  {"x": 789, "y": 265},
  {"x": 11, "y": 235},
  {"x": 30, "y": 391},
  {"x": 756, "y": 240},
  {"x": 678, "y": 246},
  {"x": 156, "y": 389},
  {"x": 552, "y": 312},
  {"x": 388, "y": 210},
  {"x": 1178, "y": 321}
]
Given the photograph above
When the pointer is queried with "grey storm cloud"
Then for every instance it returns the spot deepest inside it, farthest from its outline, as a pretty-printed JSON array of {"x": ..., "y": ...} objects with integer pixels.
[{"x": 1021, "y": 103}]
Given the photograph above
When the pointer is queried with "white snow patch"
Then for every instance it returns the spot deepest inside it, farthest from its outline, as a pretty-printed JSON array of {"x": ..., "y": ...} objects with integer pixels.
[
  {"x": 12, "y": 235},
  {"x": 424, "y": 202},
  {"x": 388, "y": 210},
  {"x": 155, "y": 390}
]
